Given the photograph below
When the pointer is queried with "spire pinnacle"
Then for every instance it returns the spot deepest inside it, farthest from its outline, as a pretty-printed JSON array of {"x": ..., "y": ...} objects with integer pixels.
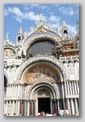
[
  {"x": 41, "y": 19},
  {"x": 20, "y": 30},
  {"x": 64, "y": 23}
]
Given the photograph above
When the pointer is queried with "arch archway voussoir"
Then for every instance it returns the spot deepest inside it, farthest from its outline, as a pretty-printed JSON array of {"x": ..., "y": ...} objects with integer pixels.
[{"x": 32, "y": 60}]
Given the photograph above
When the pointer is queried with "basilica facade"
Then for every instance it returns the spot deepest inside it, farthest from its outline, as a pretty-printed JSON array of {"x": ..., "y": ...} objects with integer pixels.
[{"x": 41, "y": 72}]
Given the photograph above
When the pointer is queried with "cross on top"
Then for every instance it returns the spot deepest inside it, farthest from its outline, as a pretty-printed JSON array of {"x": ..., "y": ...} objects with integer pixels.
[{"x": 41, "y": 19}]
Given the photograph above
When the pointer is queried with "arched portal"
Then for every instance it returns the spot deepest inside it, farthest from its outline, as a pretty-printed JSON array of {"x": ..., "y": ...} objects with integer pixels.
[
  {"x": 54, "y": 63},
  {"x": 45, "y": 74},
  {"x": 42, "y": 96}
]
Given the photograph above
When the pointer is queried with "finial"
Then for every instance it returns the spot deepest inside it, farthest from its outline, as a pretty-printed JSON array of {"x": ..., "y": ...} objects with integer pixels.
[
  {"x": 41, "y": 19},
  {"x": 64, "y": 30},
  {"x": 20, "y": 30},
  {"x": 64, "y": 23}
]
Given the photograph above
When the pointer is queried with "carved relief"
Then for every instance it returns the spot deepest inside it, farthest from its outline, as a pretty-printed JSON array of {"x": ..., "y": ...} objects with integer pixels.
[
  {"x": 41, "y": 73},
  {"x": 41, "y": 29},
  {"x": 43, "y": 93},
  {"x": 8, "y": 52}
]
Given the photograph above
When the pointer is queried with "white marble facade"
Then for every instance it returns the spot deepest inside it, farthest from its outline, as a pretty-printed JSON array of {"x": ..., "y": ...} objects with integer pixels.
[{"x": 21, "y": 97}]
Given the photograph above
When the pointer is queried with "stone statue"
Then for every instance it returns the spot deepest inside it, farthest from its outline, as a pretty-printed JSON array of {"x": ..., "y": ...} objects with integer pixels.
[{"x": 29, "y": 54}]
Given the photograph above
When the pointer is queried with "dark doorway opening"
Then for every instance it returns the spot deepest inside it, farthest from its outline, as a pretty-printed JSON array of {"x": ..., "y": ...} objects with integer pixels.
[{"x": 44, "y": 105}]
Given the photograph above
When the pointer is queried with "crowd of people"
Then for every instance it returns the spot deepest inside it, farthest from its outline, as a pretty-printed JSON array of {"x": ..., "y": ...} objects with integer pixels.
[
  {"x": 48, "y": 114},
  {"x": 58, "y": 113},
  {"x": 62, "y": 113}
]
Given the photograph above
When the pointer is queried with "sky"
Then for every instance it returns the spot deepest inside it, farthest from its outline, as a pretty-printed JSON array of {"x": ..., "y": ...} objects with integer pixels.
[{"x": 28, "y": 15}]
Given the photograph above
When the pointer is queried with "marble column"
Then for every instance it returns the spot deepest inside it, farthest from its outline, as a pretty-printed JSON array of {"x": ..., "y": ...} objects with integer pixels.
[
  {"x": 9, "y": 108},
  {"x": 13, "y": 108},
  {"x": 12, "y": 90},
  {"x": 18, "y": 109},
  {"x": 52, "y": 107},
  {"x": 68, "y": 102},
  {"x": 28, "y": 108},
  {"x": 65, "y": 88},
  {"x": 32, "y": 107},
  {"x": 25, "y": 108},
  {"x": 76, "y": 107},
  {"x": 72, "y": 106},
  {"x": 19, "y": 90},
  {"x": 9, "y": 91},
  {"x": 23, "y": 91},
  {"x": 63, "y": 94},
  {"x": 4, "y": 107},
  {"x": 77, "y": 87},
  {"x": 68, "y": 88},
  {"x": 21, "y": 107},
  {"x": 75, "y": 91},
  {"x": 72, "y": 88},
  {"x": 70, "y": 85},
  {"x": 58, "y": 105}
]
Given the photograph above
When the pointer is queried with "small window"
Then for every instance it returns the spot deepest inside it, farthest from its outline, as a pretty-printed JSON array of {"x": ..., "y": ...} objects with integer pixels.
[
  {"x": 65, "y": 32},
  {"x": 5, "y": 84},
  {"x": 19, "y": 38}
]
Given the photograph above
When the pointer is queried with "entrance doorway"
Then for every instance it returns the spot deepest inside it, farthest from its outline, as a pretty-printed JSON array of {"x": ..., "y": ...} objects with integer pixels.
[{"x": 44, "y": 105}]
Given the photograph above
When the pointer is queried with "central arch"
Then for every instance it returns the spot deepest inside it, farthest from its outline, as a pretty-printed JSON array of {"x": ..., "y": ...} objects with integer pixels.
[
  {"x": 41, "y": 97},
  {"x": 58, "y": 66},
  {"x": 34, "y": 37},
  {"x": 43, "y": 84},
  {"x": 40, "y": 71}
]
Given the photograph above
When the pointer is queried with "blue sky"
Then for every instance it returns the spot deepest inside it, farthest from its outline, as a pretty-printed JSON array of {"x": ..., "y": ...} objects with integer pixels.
[{"x": 27, "y": 15}]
